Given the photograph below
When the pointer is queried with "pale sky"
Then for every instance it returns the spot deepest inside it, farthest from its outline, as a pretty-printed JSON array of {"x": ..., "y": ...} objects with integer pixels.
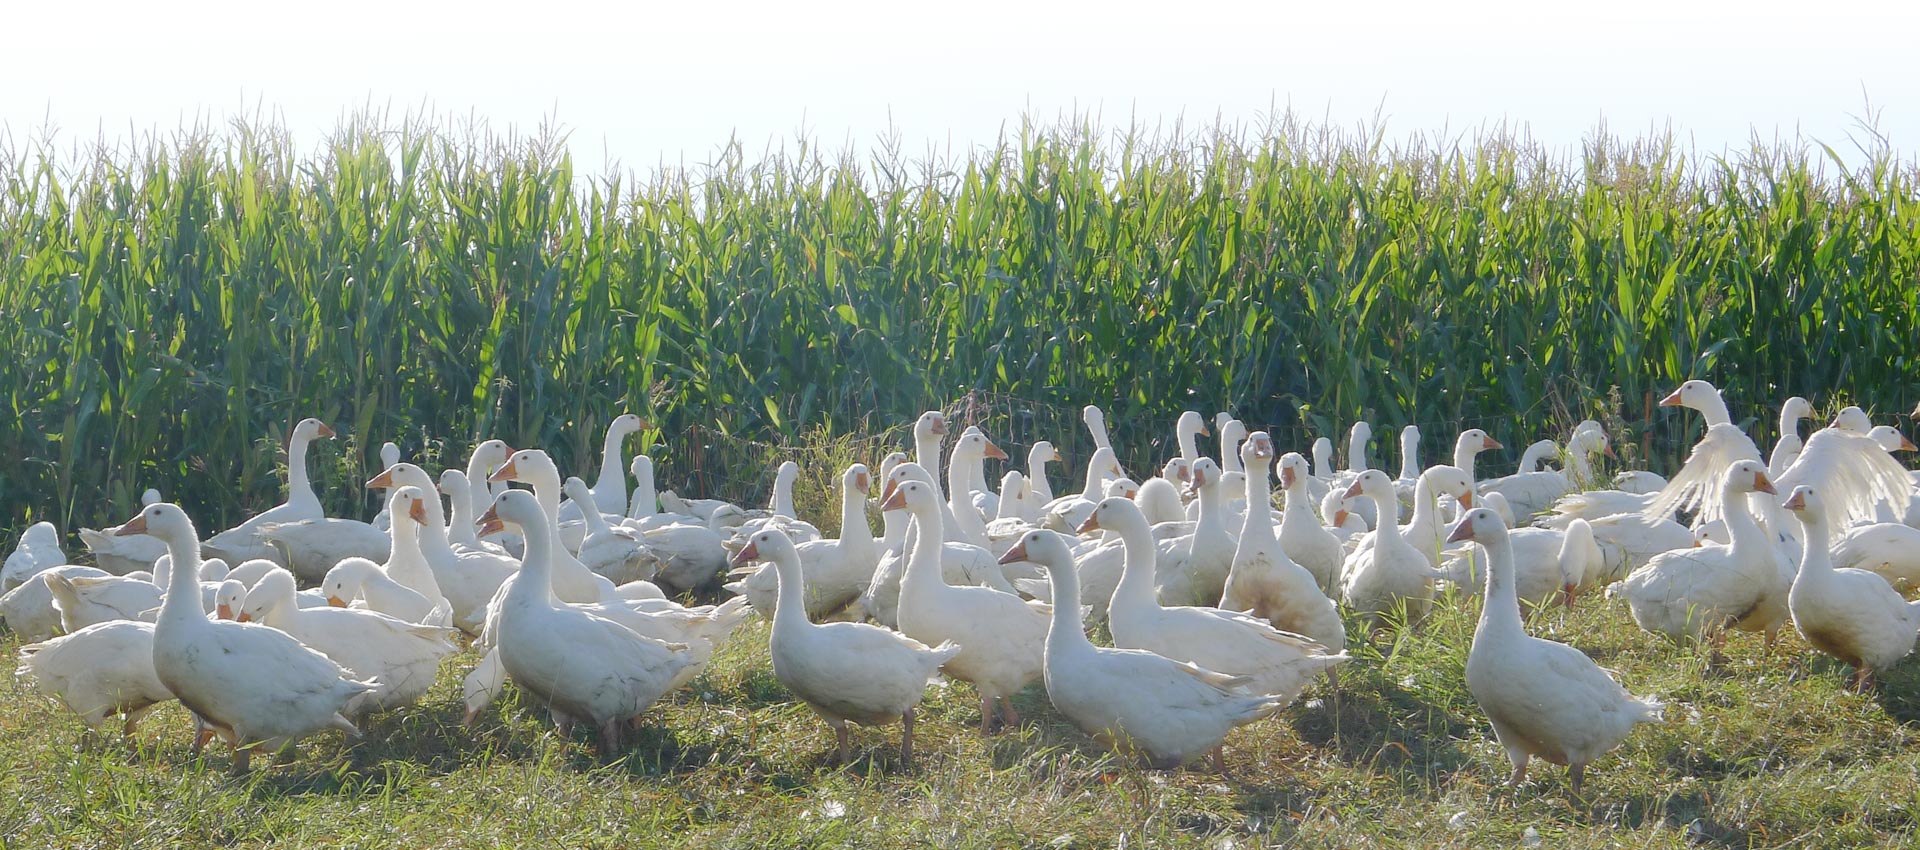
[{"x": 643, "y": 83}]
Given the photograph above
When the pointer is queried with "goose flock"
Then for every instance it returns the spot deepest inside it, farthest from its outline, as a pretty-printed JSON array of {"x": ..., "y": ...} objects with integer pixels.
[{"x": 1225, "y": 599}]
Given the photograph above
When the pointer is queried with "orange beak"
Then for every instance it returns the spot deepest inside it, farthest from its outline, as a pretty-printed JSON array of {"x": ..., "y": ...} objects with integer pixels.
[
  {"x": 326, "y": 431},
  {"x": 1672, "y": 399},
  {"x": 418, "y": 512},
  {"x": 506, "y": 472},
  {"x": 1353, "y": 491},
  {"x": 336, "y": 601},
  {"x": 1568, "y": 593},
  {"x": 939, "y": 426},
  {"x": 225, "y": 612},
  {"x": 1462, "y": 532},
  {"x": 490, "y": 523},
  {"x": 747, "y": 555},
  {"x": 383, "y": 481},
  {"x": 1907, "y": 445},
  {"x": 1092, "y": 524},
  {"x": 1204, "y": 432},
  {"x": 896, "y": 499},
  {"x": 1796, "y": 502},
  {"x": 1339, "y": 517},
  {"x": 995, "y": 452},
  {"x": 862, "y": 482},
  {"x": 1492, "y": 444},
  {"x": 1016, "y": 554},
  {"x": 137, "y": 525},
  {"x": 1466, "y": 499},
  {"x": 886, "y": 493},
  {"x": 1608, "y": 451},
  {"x": 1058, "y": 457},
  {"x": 1286, "y": 478},
  {"x": 1761, "y": 484}
]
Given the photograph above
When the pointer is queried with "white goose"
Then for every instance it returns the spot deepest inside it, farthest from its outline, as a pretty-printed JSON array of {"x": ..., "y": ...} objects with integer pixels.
[
  {"x": 610, "y": 489},
  {"x": 389, "y": 455},
  {"x": 38, "y": 549},
  {"x": 643, "y": 508},
  {"x": 400, "y": 657},
  {"x": 1390, "y": 574},
  {"x": 968, "y": 454},
  {"x": 1696, "y": 593},
  {"x": 360, "y": 582},
  {"x": 1067, "y": 512},
  {"x": 1041, "y": 454},
  {"x": 1858, "y": 480},
  {"x": 617, "y": 553},
  {"x": 1159, "y": 496},
  {"x": 1195, "y": 573},
  {"x": 1306, "y": 541},
  {"x": 243, "y": 541},
  {"x": 28, "y": 609},
  {"x": 1233, "y": 432},
  {"x": 836, "y": 571},
  {"x": 1424, "y": 532},
  {"x": 1129, "y": 699},
  {"x": 1263, "y": 581},
  {"x": 412, "y": 511},
  {"x": 1001, "y": 638},
  {"x": 1096, "y": 422},
  {"x": 843, "y": 671},
  {"x": 1277, "y": 663},
  {"x": 466, "y": 576},
  {"x": 253, "y": 686},
  {"x": 779, "y": 514},
  {"x": 572, "y": 581},
  {"x": 582, "y": 667},
  {"x": 1529, "y": 493},
  {"x": 97, "y": 672},
  {"x": 1786, "y": 450},
  {"x": 1409, "y": 465},
  {"x": 960, "y": 563},
  {"x": 1852, "y": 615},
  {"x": 461, "y": 515},
  {"x": 1544, "y": 698},
  {"x": 1547, "y": 564}
]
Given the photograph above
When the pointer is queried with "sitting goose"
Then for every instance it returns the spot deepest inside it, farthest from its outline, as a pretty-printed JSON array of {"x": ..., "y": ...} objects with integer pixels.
[
  {"x": 1544, "y": 698},
  {"x": 38, "y": 549},
  {"x": 835, "y": 571},
  {"x": 243, "y": 541}
]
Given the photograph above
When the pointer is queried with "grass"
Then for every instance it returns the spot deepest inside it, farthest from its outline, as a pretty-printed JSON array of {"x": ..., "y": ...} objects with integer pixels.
[{"x": 1768, "y": 753}]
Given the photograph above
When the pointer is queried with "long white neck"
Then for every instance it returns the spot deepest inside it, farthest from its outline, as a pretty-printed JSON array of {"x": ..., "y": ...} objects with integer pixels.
[
  {"x": 1037, "y": 475},
  {"x": 460, "y": 520},
  {"x": 1136, "y": 586},
  {"x": 646, "y": 501},
  {"x": 1814, "y": 557},
  {"x": 1500, "y": 611},
  {"x": 612, "y": 483},
  {"x": 1423, "y": 506},
  {"x": 1357, "y": 451},
  {"x": 856, "y": 536},
  {"x": 534, "y": 587},
  {"x": 1463, "y": 454},
  {"x": 1095, "y": 485},
  {"x": 923, "y": 553},
  {"x": 181, "y": 604},
  {"x": 1065, "y": 633},
  {"x": 1097, "y": 429},
  {"x": 790, "y": 610},
  {"x": 299, "y": 486},
  {"x": 1257, "y": 528},
  {"x": 483, "y": 492},
  {"x": 966, "y": 519},
  {"x": 782, "y": 502},
  {"x": 1579, "y": 464},
  {"x": 1743, "y": 531},
  {"x": 1715, "y": 410},
  {"x": 1409, "y": 455},
  {"x": 1189, "y": 445},
  {"x": 1299, "y": 507},
  {"x": 1323, "y": 458},
  {"x": 1388, "y": 512},
  {"x": 926, "y": 452}
]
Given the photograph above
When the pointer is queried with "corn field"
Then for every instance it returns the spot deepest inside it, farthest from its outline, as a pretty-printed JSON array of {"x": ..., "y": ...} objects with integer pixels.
[{"x": 170, "y": 307}]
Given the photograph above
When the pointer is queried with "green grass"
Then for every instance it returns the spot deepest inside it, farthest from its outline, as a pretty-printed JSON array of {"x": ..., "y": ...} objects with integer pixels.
[
  {"x": 1769, "y": 753},
  {"x": 171, "y": 306}
]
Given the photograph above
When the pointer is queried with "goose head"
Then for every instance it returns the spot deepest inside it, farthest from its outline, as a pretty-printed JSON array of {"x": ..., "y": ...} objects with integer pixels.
[
  {"x": 1795, "y": 409},
  {"x": 1593, "y": 441},
  {"x": 273, "y": 590},
  {"x": 912, "y": 495},
  {"x": 1891, "y": 439},
  {"x": 1123, "y": 488},
  {"x": 1114, "y": 514},
  {"x": 1013, "y": 486},
  {"x": 974, "y": 443},
  {"x": 1179, "y": 470},
  {"x": 1480, "y": 525},
  {"x": 1586, "y": 425},
  {"x": 1206, "y": 474},
  {"x": 1410, "y": 438},
  {"x": 343, "y": 582},
  {"x": 214, "y": 569},
  {"x": 514, "y": 507},
  {"x": 1293, "y": 470},
  {"x": 1749, "y": 476},
  {"x": 642, "y": 468},
  {"x": 490, "y": 454},
  {"x": 1474, "y": 441},
  {"x": 857, "y": 479},
  {"x": 1806, "y": 503},
  {"x": 1360, "y": 434},
  {"x": 1373, "y": 483},
  {"x": 576, "y": 489},
  {"x": 932, "y": 423},
  {"x": 892, "y": 461},
  {"x": 1695, "y": 395},
  {"x": 1322, "y": 457},
  {"x": 1094, "y": 418},
  {"x": 227, "y": 601},
  {"x": 402, "y": 475},
  {"x": 1851, "y": 418},
  {"x": 528, "y": 466},
  {"x": 1232, "y": 431},
  {"x": 769, "y": 545},
  {"x": 1258, "y": 449},
  {"x": 312, "y": 429},
  {"x": 149, "y": 496},
  {"x": 1104, "y": 460},
  {"x": 164, "y": 520},
  {"x": 903, "y": 472},
  {"x": 1043, "y": 453},
  {"x": 389, "y": 454},
  {"x": 1041, "y": 546},
  {"x": 1450, "y": 481},
  {"x": 624, "y": 424}
]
